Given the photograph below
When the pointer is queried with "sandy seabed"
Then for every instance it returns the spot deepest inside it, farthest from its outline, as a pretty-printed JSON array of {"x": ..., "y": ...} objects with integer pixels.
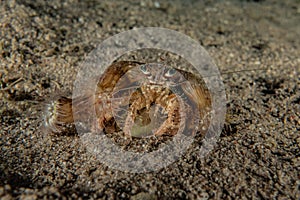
[{"x": 257, "y": 155}]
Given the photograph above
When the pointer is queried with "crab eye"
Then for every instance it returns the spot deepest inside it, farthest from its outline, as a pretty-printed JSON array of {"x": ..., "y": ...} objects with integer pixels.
[
  {"x": 145, "y": 70},
  {"x": 170, "y": 72}
]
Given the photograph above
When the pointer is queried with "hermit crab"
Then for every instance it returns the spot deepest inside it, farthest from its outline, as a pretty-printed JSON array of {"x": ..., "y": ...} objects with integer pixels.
[{"x": 162, "y": 99}]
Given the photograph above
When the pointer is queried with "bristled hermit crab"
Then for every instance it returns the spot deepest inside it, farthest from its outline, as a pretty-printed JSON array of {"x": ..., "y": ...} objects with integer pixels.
[{"x": 129, "y": 94}]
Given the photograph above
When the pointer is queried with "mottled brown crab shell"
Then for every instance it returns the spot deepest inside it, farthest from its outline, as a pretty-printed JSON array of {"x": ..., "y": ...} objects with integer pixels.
[{"x": 63, "y": 108}]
